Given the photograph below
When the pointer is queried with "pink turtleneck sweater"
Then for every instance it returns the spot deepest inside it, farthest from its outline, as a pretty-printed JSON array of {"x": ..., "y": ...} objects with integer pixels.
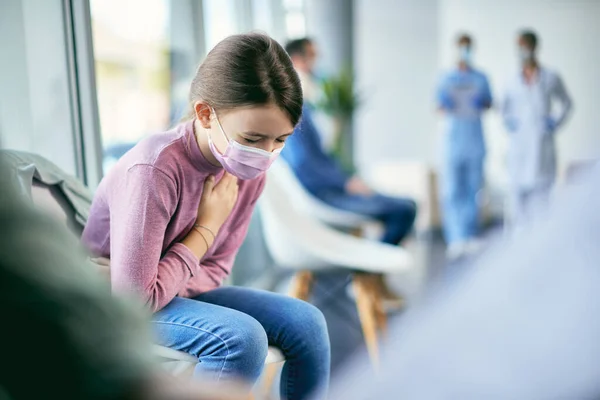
[{"x": 147, "y": 204}]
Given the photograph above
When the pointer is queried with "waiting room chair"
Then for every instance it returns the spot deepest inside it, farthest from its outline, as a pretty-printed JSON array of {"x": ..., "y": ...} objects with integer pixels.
[
  {"x": 299, "y": 241},
  {"x": 311, "y": 205},
  {"x": 413, "y": 179}
]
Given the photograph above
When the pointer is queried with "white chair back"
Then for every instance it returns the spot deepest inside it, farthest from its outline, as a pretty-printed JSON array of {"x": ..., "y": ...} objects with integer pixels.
[
  {"x": 286, "y": 220},
  {"x": 297, "y": 240},
  {"x": 311, "y": 205}
]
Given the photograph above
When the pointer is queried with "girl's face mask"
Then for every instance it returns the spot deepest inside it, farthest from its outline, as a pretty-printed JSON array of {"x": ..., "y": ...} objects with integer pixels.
[{"x": 242, "y": 161}]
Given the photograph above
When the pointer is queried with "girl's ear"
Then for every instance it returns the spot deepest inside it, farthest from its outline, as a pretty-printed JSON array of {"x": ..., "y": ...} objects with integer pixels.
[{"x": 203, "y": 113}]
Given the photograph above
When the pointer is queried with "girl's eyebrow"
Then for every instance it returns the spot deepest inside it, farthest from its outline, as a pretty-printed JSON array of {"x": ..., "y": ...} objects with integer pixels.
[{"x": 262, "y": 135}]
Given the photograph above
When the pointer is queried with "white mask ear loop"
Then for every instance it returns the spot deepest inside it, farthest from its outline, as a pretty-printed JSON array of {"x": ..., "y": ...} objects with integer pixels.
[{"x": 220, "y": 126}]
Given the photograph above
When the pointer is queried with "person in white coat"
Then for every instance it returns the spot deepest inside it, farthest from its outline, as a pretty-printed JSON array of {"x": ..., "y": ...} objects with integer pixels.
[{"x": 531, "y": 117}]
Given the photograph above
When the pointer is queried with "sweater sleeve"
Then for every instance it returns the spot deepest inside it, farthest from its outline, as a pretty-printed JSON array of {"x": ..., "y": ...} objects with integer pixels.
[
  {"x": 315, "y": 169},
  {"x": 139, "y": 218}
]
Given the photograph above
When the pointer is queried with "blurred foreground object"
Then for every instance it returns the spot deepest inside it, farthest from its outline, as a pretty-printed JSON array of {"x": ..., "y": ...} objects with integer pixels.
[
  {"x": 65, "y": 336},
  {"x": 522, "y": 323}
]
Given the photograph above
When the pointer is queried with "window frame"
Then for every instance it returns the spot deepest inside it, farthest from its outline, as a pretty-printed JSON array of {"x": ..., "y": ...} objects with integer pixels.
[{"x": 83, "y": 95}]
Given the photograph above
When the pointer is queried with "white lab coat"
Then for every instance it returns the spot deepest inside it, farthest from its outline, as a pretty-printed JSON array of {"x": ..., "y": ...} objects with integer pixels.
[
  {"x": 527, "y": 111},
  {"x": 532, "y": 118}
]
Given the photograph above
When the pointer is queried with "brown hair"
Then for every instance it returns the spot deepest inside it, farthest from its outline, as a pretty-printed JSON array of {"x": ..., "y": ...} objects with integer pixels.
[
  {"x": 464, "y": 39},
  {"x": 248, "y": 70},
  {"x": 529, "y": 38},
  {"x": 297, "y": 46}
]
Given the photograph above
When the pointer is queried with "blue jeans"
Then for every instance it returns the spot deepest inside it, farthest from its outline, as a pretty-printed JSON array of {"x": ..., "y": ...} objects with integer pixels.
[
  {"x": 229, "y": 329},
  {"x": 461, "y": 182},
  {"x": 397, "y": 214}
]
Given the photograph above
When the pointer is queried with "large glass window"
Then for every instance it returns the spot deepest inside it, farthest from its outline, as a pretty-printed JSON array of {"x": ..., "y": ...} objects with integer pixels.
[
  {"x": 145, "y": 56},
  {"x": 147, "y": 52},
  {"x": 35, "y": 91},
  {"x": 221, "y": 19},
  {"x": 295, "y": 21}
]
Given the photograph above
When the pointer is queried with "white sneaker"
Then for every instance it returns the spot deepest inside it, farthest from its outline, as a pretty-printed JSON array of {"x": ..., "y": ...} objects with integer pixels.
[{"x": 456, "y": 250}]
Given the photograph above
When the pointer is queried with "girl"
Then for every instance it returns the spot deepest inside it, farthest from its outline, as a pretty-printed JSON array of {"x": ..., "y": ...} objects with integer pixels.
[{"x": 173, "y": 212}]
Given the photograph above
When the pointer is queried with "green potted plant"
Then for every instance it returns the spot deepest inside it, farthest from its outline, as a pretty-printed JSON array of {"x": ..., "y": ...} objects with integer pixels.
[{"x": 339, "y": 100}]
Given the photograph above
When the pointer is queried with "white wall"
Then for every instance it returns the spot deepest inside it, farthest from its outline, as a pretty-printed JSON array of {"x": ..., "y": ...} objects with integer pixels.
[
  {"x": 395, "y": 57},
  {"x": 401, "y": 45}
]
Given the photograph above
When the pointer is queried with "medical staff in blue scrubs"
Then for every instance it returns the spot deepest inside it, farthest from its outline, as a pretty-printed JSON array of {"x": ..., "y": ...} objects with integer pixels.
[{"x": 463, "y": 94}]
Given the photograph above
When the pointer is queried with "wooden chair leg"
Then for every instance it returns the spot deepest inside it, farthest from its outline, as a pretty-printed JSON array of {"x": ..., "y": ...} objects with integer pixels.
[
  {"x": 302, "y": 285},
  {"x": 365, "y": 303},
  {"x": 394, "y": 300},
  {"x": 379, "y": 309},
  {"x": 357, "y": 232}
]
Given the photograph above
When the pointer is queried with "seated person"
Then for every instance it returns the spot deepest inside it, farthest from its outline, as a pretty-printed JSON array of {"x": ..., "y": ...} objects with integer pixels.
[
  {"x": 65, "y": 336},
  {"x": 319, "y": 172},
  {"x": 321, "y": 175},
  {"x": 172, "y": 213}
]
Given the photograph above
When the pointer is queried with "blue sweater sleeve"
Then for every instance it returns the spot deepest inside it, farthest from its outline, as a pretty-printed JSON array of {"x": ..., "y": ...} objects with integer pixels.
[{"x": 316, "y": 170}]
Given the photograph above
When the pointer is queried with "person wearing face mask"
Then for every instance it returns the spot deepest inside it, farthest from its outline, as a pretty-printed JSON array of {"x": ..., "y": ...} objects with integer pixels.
[
  {"x": 463, "y": 94},
  {"x": 527, "y": 111},
  {"x": 173, "y": 212}
]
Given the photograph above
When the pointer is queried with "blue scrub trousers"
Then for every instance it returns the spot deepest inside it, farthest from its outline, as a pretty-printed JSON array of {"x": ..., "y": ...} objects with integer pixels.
[
  {"x": 397, "y": 214},
  {"x": 461, "y": 181}
]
